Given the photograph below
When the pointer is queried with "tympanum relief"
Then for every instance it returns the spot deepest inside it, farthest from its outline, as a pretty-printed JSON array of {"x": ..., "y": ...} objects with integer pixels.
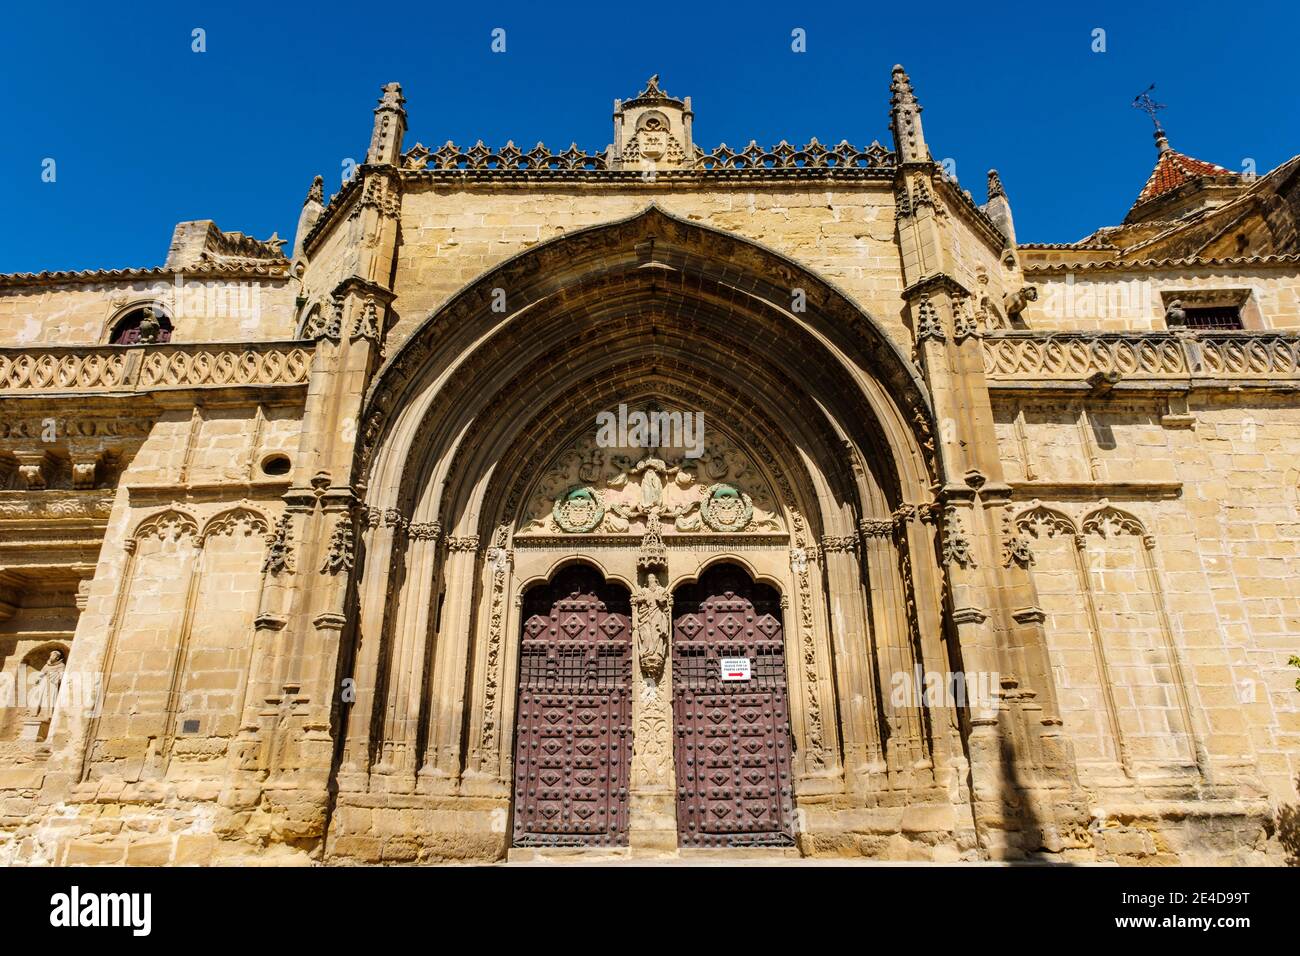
[{"x": 591, "y": 489}]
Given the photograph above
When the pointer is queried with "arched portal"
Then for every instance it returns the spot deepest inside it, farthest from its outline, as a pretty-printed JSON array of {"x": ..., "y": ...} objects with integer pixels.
[
  {"x": 731, "y": 713},
  {"x": 573, "y": 743},
  {"x": 487, "y": 471}
]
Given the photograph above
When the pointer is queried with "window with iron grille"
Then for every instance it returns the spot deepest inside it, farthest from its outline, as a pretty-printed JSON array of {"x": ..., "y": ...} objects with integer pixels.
[{"x": 1211, "y": 317}]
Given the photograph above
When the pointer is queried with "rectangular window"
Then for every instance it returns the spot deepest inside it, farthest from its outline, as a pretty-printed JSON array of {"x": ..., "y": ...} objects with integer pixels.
[{"x": 1212, "y": 317}]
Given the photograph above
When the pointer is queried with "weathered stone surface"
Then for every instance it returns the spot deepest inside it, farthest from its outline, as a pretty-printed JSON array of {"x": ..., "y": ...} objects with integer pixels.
[{"x": 285, "y": 554}]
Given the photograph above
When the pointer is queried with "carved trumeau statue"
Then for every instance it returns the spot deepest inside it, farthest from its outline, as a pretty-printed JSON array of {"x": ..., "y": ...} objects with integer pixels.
[
  {"x": 650, "y": 605},
  {"x": 45, "y": 688}
]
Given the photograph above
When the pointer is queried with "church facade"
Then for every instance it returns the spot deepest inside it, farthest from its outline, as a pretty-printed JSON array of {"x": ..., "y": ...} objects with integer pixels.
[{"x": 660, "y": 502}]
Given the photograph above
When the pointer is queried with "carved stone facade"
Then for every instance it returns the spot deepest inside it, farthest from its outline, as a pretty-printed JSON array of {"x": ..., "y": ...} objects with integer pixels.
[{"x": 985, "y": 548}]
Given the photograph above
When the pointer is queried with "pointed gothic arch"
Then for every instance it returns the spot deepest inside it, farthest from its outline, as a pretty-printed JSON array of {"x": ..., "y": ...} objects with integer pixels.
[{"x": 476, "y": 403}]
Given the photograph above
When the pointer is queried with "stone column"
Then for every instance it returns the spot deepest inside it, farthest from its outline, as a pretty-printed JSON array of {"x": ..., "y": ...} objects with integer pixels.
[
  {"x": 398, "y": 762},
  {"x": 855, "y": 676},
  {"x": 442, "y": 757},
  {"x": 489, "y": 708},
  {"x": 896, "y": 658},
  {"x": 652, "y": 784}
]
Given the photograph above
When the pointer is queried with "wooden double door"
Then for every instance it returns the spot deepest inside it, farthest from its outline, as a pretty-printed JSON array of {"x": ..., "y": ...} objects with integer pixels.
[
  {"x": 573, "y": 742},
  {"x": 731, "y": 725},
  {"x": 731, "y": 713}
]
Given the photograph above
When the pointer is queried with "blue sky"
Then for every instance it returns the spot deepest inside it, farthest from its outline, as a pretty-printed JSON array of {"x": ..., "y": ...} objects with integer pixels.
[{"x": 145, "y": 132}]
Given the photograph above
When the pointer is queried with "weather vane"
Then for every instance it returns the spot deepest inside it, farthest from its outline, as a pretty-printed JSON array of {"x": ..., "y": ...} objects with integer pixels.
[{"x": 1146, "y": 104}]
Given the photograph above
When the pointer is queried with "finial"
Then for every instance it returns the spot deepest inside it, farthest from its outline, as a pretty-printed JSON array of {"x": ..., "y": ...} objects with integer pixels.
[
  {"x": 652, "y": 90},
  {"x": 905, "y": 116},
  {"x": 392, "y": 96},
  {"x": 390, "y": 127},
  {"x": 317, "y": 191},
  {"x": 901, "y": 84},
  {"x": 995, "y": 185},
  {"x": 1144, "y": 102}
]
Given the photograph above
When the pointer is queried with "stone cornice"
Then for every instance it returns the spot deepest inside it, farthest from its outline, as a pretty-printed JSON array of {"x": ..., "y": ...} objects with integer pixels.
[
  {"x": 1093, "y": 490},
  {"x": 934, "y": 283},
  {"x": 1147, "y": 265},
  {"x": 275, "y": 270},
  {"x": 664, "y": 178}
]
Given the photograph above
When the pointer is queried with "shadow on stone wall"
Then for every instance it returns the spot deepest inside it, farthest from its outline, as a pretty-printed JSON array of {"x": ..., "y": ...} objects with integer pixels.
[{"x": 1286, "y": 827}]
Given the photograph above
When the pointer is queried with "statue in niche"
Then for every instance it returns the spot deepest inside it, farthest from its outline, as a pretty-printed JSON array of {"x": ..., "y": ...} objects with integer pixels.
[
  {"x": 150, "y": 327},
  {"x": 650, "y": 605},
  {"x": 44, "y": 691}
]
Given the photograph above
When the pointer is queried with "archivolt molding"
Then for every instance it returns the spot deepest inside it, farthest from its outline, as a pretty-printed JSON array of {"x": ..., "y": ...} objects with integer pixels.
[
  {"x": 532, "y": 276},
  {"x": 469, "y": 435}
]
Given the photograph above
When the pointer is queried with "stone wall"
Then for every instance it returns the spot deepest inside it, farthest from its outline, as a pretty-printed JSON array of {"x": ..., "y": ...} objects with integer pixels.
[
  {"x": 1135, "y": 300},
  {"x": 203, "y": 309},
  {"x": 452, "y": 236},
  {"x": 1218, "y": 495}
]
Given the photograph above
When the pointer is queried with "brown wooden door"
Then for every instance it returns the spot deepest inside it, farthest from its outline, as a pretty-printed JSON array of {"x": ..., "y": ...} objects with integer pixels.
[
  {"x": 732, "y": 741},
  {"x": 573, "y": 742}
]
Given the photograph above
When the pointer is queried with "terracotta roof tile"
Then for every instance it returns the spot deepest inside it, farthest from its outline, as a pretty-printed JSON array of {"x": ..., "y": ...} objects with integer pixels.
[{"x": 1172, "y": 170}]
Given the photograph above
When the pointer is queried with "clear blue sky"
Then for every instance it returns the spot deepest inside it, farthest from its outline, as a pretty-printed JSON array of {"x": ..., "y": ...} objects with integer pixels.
[{"x": 146, "y": 132}]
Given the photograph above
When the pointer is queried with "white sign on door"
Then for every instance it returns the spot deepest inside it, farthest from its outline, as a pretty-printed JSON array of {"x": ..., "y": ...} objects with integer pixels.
[{"x": 735, "y": 668}]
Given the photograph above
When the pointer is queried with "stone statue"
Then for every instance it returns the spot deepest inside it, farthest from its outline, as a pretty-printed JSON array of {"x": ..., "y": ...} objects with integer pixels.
[
  {"x": 652, "y": 486},
  {"x": 651, "y": 604},
  {"x": 1176, "y": 315},
  {"x": 150, "y": 328},
  {"x": 45, "y": 688}
]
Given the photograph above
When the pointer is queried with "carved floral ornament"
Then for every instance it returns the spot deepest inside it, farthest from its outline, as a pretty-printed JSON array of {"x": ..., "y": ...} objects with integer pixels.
[
  {"x": 592, "y": 489},
  {"x": 1104, "y": 521}
]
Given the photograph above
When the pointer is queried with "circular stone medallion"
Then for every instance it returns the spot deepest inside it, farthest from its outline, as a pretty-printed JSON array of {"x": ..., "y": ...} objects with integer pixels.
[
  {"x": 578, "y": 510},
  {"x": 726, "y": 508}
]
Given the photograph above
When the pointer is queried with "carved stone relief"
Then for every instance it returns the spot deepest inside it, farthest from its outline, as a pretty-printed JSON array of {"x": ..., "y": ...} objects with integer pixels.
[{"x": 591, "y": 489}]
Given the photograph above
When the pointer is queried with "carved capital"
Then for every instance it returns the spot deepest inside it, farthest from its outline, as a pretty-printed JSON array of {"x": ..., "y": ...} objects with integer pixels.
[
  {"x": 423, "y": 531},
  {"x": 839, "y": 544},
  {"x": 876, "y": 527}
]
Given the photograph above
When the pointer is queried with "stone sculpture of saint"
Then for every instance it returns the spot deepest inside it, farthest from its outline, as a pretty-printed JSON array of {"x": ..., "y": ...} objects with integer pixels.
[
  {"x": 652, "y": 486},
  {"x": 45, "y": 688},
  {"x": 651, "y": 604}
]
